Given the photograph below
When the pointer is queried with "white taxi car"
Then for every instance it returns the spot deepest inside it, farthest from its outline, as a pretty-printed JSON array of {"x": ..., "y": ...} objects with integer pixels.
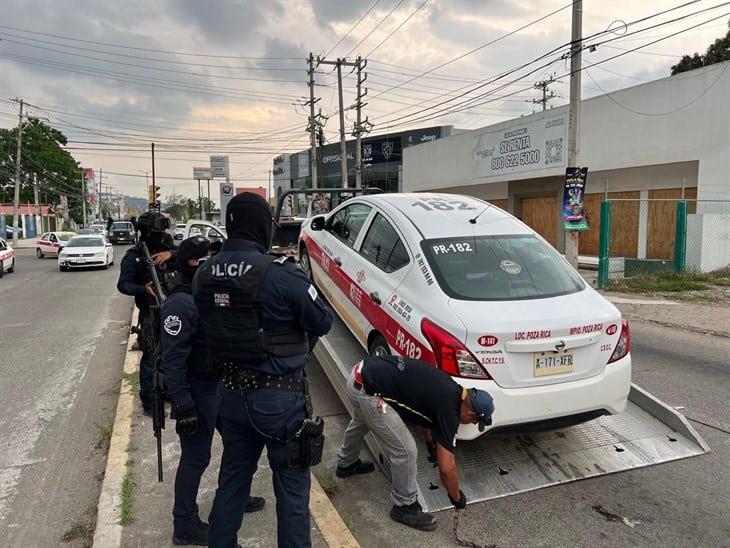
[
  {"x": 84, "y": 251},
  {"x": 7, "y": 258},
  {"x": 462, "y": 284},
  {"x": 51, "y": 243}
]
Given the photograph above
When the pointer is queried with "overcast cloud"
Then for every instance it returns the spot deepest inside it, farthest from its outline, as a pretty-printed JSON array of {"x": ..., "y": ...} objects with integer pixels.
[{"x": 249, "y": 77}]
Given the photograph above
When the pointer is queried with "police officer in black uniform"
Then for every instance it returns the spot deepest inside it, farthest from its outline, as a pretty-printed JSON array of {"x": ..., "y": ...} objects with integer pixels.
[
  {"x": 260, "y": 314},
  {"x": 192, "y": 382},
  {"x": 135, "y": 280}
]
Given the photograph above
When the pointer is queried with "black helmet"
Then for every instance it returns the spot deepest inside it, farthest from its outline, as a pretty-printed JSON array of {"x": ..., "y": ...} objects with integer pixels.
[{"x": 151, "y": 220}]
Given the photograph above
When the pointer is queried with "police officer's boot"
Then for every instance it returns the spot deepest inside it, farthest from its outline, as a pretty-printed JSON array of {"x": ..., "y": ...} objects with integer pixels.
[
  {"x": 197, "y": 537},
  {"x": 357, "y": 467},
  {"x": 412, "y": 516}
]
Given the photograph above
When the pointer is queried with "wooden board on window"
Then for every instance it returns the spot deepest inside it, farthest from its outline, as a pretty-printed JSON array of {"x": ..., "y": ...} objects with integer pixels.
[
  {"x": 663, "y": 220},
  {"x": 500, "y": 203},
  {"x": 624, "y": 224},
  {"x": 541, "y": 214}
]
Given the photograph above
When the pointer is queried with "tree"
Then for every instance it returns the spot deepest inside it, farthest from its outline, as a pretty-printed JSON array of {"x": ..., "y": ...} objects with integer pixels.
[
  {"x": 718, "y": 52},
  {"x": 44, "y": 160},
  {"x": 181, "y": 208}
]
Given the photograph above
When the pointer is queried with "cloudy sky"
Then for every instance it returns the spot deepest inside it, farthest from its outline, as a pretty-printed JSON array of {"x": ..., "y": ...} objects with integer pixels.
[{"x": 228, "y": 76}]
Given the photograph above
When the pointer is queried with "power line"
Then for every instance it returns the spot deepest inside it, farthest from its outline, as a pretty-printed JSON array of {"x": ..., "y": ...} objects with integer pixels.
[
  {"x": 151, "y": 49},
  {"x": 372, "y": 30},
  {"x": 364, "y": 15},
  {"x": 397, "y": 28}
]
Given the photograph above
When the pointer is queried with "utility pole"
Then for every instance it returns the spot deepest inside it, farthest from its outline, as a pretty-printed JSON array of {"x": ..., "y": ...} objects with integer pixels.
[
  {"x": 200, "y": 200},
  {"x": 360, "y": 126},
  {"x": 16, "y": 197},
  {"x": 543, "y": 84},
  {"x": 98, "y": 198},
  {"x": 208, "y": 203},
  {"x": 343, "y": 143},
  {"x": 576, "y": 48},
  {"x": 320, "y": 144},
  {"x": 312, "y": 126},
  {"x": 37, "y": 203},
  {"x": 154, "y": 190},
  {"x": 83, "y": 197}
]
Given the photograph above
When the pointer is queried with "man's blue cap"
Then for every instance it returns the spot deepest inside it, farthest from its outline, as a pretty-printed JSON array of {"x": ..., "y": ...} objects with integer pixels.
[{"x": 483, "y": 405}]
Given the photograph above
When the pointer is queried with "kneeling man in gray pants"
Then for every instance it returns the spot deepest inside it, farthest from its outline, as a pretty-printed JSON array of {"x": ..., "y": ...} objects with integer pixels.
[{"x": 386, "y": 391}]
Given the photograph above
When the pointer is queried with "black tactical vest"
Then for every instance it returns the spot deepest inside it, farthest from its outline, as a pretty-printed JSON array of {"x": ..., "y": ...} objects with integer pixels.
[{"x": 230, "y": 311}]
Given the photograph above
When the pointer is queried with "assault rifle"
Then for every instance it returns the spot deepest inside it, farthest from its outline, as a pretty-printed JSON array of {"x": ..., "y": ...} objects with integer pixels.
[{"x": 151, "y": 343}]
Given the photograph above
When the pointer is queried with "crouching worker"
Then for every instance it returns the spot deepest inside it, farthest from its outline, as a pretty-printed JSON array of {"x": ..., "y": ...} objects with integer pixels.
[
  {"x": 192, "y": 381},
  {"x": 389, "y": 391}
]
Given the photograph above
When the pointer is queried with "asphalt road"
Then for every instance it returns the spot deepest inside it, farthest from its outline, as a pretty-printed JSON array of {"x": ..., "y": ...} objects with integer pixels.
[
  {"x": 60, "y": 369},
  {"x": 682, "y": 503}
]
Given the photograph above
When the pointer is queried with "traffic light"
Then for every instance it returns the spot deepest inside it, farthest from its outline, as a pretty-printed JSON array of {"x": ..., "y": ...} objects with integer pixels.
[{"x": 153, "y": 197}]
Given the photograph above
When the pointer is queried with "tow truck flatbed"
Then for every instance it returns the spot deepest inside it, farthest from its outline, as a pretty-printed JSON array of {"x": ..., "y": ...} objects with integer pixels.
[{"x": 649, "y": 432}]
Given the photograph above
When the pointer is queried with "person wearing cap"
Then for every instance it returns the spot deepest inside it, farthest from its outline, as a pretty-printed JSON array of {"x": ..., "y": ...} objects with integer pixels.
[
  {"x": 192, "y": 381},
  {"x": 135, "y": 280},
  {"x": 260, "y": 314},
  {"x": 388, "y": 392}
]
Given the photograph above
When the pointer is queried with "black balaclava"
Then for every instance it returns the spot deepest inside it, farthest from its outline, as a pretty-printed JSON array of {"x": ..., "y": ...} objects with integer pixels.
[
  {"x": 192, "y": 248},
  {"x": 152, "y": 226},
  {"x": 248, "y": 217}
]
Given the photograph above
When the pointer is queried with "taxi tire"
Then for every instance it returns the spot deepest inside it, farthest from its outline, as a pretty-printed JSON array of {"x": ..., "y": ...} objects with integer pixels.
[
  {"x": 39, "y": 253},
  {"x": 2, "y": 269},
  {"x": 63, "y": 268},
  {"x": 12, "y": 266},
  {"x": 379, "y": 346},
  {"x": 305, "y": 259}
]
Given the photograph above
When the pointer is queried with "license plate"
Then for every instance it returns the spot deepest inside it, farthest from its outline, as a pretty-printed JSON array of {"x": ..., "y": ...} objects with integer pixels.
[
  {"x": 79, "y": 261},
  {"x": 552, "y": 363}
]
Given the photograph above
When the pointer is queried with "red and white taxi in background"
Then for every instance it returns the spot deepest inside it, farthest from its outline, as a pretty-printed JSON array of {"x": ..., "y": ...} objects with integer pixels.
[
  {"x": 51, "y": 243},
  {"x": 464, "y": 285},
  {"x": 7, "y": 258}
]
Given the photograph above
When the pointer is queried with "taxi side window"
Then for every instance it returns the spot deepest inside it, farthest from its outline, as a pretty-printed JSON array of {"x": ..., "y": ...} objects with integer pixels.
[
  {"x": 383, "y": 247},
  {"x": 2, "y": 245},
  {"x": 45, "y": 236},
  {"x": 347, "y": 222},
  {"x": 53, "y": 238}
]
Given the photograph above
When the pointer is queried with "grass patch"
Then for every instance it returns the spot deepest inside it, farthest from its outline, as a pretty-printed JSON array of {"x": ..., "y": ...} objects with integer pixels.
[
  {"x": 128, "y": 490},
  {"x": 329, "y": 484},
  {"x": 662, "y": 282},
  {"x": 104, "y": 430},
  {"x": 132, "y": 380},
  {"x": 349, "y": 521},
  {"x": 77, "y": 530}
]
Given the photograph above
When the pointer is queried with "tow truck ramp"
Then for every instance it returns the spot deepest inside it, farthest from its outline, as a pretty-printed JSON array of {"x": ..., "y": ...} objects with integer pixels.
[{"x": 648, "y": 432}]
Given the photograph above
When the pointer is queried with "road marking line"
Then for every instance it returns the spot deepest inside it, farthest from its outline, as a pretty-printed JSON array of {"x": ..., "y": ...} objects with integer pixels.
[{"x": 108, "y": 529}]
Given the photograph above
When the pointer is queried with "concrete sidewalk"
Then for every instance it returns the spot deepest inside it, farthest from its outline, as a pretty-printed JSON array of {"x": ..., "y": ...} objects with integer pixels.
[
  {"x": 136, "y": 510},
  {"x": 24, "y": 243}
]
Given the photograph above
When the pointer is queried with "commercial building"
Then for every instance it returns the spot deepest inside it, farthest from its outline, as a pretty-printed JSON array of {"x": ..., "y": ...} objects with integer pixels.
[
  {"x": 382, "y": 158},
  {"x": 646, "y": 147}
]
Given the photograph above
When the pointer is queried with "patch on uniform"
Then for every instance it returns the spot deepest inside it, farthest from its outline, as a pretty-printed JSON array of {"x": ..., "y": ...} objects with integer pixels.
[
  {"x": 454, "y": 442},
  {"x": 172, "y": 325},
  {"x": 222, "y": 300},
  {"x": 281, "y": 260},
  {"x": 313, "y": 292}
]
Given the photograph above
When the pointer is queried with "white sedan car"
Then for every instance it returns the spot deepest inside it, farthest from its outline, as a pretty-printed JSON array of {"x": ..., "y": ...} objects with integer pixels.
[
  {"x": 464, "y": 285},
  {"x": 51, "y": 243},
  {"x": 85, "y": 251},
  {"x": 7, "y": 258}
]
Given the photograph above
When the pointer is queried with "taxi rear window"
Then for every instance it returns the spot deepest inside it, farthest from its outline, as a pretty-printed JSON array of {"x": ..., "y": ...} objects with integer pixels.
[{"x": 499, "y": 268}]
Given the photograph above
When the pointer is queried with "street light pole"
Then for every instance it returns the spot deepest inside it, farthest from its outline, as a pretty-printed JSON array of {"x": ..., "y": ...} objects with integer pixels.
[
  {"x": 16, "y": 197},
  {"x": 576, "y": 48}
]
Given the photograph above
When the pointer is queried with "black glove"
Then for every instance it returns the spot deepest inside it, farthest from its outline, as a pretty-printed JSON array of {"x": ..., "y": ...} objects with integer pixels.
[
  {"x": 461, "y": 503},
  {"x": 187, "y": 422},
  {"x": 431, "y": 448}
]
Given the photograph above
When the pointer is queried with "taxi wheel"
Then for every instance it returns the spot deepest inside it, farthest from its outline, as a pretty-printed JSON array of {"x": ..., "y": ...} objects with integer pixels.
[
  {"x": 379, "y": 347},
  {"x": 12, "y": 266},
  {"x": 2, "y": 268},
  {"x": 63, "y": 268},
  {"x": 306, "y": 262},
  {"x": 38, "y": 253}
]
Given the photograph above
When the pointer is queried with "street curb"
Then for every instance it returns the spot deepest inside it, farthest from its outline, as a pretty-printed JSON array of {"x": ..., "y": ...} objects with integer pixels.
[{"x": 108, "y": 531}]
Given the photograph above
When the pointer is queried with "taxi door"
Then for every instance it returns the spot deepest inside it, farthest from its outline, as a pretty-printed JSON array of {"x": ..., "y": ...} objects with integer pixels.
[
  {"x": 44, "y": 244},
  {"x": 382, "y": 263},
  {"x": 337, "y": 270}
]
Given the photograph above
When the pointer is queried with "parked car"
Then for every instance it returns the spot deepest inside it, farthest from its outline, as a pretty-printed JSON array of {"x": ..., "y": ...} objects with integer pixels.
[
  {"x": 7, "y": 258},
  {"x": 461, "y": 284},
  {"x": 99, "y": 228},
  {"x": 122, "y": 232},
  {"x": 179, "y": 232},
  {"x": 9, "y": 231},
  {"x": 51, "y": 243},
  {"x": 85, "y": 251}
]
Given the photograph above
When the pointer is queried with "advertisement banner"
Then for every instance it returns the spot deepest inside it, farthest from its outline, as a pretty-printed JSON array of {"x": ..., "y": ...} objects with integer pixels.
[
  {"x": 574, "y": 217},
  {"x": 201, "y": 173},
  {"x": 520, "y": 148},
  {"x": 219, "y": 166}
]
